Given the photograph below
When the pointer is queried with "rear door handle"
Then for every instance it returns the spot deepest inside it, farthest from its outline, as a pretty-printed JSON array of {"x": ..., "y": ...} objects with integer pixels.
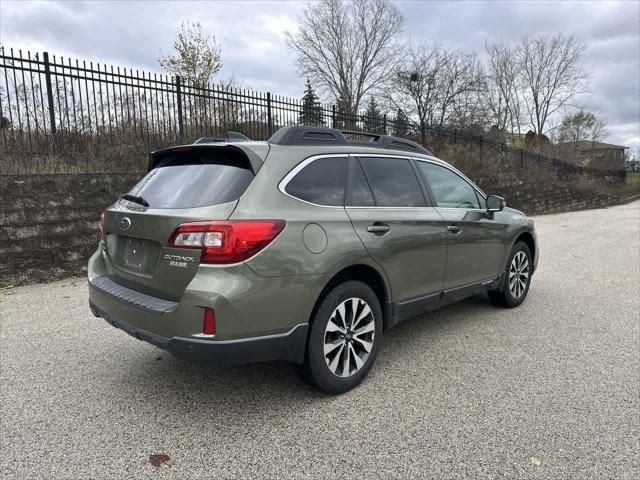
[
  {"x": 379, "y": 228},
  {"x": 454, "y": 229}
]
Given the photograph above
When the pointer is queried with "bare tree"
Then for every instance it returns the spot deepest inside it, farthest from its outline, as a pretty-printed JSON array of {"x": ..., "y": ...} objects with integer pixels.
[
  {"x": 414, "y": 88},
  {"x": 462, "y": 82},
  {"x": 435, "y": 84},
  {"x": 552, "y": 75},
  {"x": 347, "y": 48},
  {"x": 503, "y": 89}
]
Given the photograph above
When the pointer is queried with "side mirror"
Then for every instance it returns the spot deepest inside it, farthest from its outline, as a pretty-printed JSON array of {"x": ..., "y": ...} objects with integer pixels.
[{"x": 495, "y": 203}]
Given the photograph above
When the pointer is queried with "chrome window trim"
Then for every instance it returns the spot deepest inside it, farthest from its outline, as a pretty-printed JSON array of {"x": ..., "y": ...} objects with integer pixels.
[
  {"x": 390, "y": 208},
  {"x": 385, "y": 155},
  {"x": 434, "y": 160},
  {"x": 458, "y": 209}
]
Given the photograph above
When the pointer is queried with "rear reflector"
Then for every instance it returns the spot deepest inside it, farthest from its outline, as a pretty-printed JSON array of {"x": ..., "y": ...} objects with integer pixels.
[
  {"x": 209, "y": 326},
  {"x": 226, "y": 241}
]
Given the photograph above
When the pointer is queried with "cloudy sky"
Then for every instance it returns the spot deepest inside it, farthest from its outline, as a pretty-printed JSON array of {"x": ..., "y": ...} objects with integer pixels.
[{"x": 136, "y": 34}]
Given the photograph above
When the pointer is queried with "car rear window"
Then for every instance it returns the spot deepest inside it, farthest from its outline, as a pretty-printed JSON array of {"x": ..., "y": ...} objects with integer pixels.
[{"x": 194, "y": 180}]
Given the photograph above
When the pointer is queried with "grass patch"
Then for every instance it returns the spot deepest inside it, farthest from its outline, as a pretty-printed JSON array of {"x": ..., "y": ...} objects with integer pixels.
[{"x": 633, "y": 178}]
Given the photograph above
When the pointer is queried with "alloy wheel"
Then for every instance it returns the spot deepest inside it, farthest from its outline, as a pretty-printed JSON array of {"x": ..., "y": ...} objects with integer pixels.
[
  {"x": 348, "y": 337},
  {"x": 518, "y": 274}
]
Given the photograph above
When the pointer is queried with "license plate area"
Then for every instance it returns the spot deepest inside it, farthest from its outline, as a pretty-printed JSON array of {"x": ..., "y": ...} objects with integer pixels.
[{"x": 139, "y": 256}]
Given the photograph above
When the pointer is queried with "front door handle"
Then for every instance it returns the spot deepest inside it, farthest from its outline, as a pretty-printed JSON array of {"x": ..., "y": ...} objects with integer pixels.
[
  {"x": 454, "y": 229},
  {"x": 379, "y": 228}
]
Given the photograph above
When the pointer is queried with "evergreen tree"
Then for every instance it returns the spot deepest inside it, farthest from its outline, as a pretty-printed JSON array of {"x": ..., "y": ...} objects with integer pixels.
[
  {"x": 345, "y": 118},
  {"x": 372, "y": 121},
  {"x": 401, "y": 124},
  {"x": 311, "y": 110}
]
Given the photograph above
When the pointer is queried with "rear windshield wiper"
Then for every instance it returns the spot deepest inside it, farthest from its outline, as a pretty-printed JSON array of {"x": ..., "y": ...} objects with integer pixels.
[{"x": 134, "y": 199}]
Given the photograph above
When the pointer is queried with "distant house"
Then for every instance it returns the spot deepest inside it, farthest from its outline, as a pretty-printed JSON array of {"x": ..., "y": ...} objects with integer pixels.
[{"x": 592, "y": 154}]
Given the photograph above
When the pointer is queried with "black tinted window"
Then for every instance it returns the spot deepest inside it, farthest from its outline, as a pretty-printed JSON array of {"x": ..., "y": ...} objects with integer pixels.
[
  {"x": 187, "y": 186},
  {"x": 393, "y": 182},
  {"x": 449, "y": 188},
  {"x": 321, "y": 182},
  {"x": 359, "y": 191}
]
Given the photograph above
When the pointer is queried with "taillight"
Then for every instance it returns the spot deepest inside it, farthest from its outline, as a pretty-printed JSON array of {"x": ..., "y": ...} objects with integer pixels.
[
  {"x": 226, "y": 241},
  {"x": 102, "y": 231},
  {"x": 209, "y": 324}
]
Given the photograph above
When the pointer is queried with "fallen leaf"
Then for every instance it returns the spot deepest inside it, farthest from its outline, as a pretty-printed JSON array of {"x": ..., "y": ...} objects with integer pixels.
[
  {"x": 364, "y": 444},
  {"x": 158, "y": 459},
  {"x": 534, "y": 461}
]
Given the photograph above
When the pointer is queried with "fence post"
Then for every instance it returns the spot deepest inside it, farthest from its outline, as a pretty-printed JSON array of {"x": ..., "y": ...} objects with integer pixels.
[
  {"x": 423, "y": 136},
  {"x": 455, "y": 136},
  {"x": 333, "y": 116},
  {"x": 384, "y": 124},
  {"x": 179, "y": 104},
  {"x": 269, "y": 116},
  {"x": 481, "y": 147},
  {"x": 52, "y": 113}
]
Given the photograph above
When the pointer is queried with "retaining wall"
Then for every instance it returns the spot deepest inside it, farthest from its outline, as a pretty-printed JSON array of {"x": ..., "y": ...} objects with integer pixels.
[{"x": 49, "y": 223}]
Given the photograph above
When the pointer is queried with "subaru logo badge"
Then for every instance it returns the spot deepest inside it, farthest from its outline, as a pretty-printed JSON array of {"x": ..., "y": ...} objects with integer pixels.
[{"x": 125, "y": 223}]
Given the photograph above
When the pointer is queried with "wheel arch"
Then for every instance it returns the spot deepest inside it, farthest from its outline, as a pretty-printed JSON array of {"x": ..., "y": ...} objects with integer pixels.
[
  {"x": 363, "y": 273},
  {"x": 528, "y": 239}
]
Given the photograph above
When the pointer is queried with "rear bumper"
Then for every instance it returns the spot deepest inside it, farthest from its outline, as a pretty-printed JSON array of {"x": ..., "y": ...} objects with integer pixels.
[{"x": 284, "y": 346}]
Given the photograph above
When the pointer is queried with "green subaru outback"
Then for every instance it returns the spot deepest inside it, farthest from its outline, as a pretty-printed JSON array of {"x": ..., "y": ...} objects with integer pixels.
[{"x": 306, "y": 247}]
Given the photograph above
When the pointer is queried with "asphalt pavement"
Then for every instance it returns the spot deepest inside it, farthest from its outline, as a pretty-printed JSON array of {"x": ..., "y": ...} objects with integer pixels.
[{"x": 548, "y": 390}]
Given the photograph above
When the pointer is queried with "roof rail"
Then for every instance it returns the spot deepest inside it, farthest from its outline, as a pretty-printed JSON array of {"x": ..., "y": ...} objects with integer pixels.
[
  {"x": 300, "y": 135},
  {"x": 231, "y": 137}
]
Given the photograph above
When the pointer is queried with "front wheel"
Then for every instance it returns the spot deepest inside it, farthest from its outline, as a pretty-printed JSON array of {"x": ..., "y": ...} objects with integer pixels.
[
  {"x": 344, "y": 338},
  {"x": 517, "y": 278}
]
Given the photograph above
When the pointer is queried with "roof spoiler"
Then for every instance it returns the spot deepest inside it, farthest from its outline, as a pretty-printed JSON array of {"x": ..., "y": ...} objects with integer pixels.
[{"x": 157, "y": 157}]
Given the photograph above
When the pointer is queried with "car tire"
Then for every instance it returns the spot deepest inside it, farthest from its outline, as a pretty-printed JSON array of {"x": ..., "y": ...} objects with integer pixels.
[
  {"x": 346, "y": 324},
  {"x": 517, "y": 278}
]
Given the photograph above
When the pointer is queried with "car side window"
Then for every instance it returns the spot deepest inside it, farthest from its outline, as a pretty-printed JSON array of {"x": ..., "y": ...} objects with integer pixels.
[
  {"x": 359, "y": 191},
  {"x": 449, "y": 188},
  {"x": 321, "y": 182},
  {"x": 393, "y": 182}
]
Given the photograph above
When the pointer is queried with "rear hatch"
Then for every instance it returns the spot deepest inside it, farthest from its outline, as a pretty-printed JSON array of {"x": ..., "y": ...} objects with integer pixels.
[{"x": 185, "y": 184}]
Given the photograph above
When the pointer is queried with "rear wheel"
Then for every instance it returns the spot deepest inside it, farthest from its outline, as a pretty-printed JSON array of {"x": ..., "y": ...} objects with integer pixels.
[
  {"x": 517, "y": 278},
  {"x": 343, "y": 339}
]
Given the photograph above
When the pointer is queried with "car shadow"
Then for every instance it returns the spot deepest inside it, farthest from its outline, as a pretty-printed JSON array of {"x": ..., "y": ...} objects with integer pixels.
[{"x": 257, "y": 386}]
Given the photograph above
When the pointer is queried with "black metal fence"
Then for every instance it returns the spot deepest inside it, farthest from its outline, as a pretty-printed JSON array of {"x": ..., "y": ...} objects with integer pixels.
[{"x": 75, "y": 112}]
